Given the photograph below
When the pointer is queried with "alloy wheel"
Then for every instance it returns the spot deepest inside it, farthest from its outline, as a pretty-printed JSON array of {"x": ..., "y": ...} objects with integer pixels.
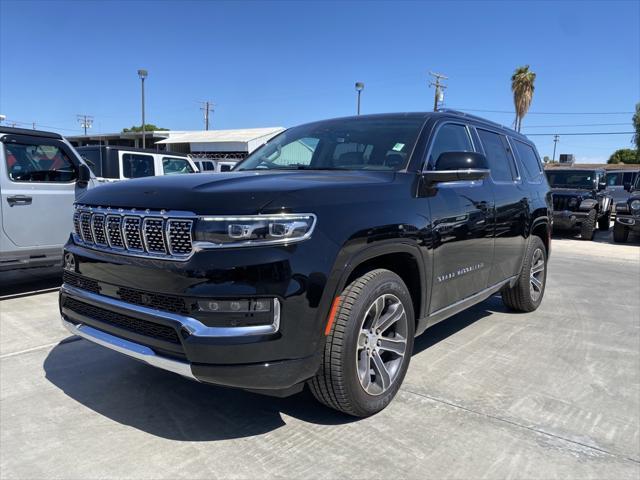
[{"x": 536, "y": 277}]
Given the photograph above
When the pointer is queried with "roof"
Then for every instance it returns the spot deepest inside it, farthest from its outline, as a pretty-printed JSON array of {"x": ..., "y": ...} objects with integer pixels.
[
  {"x": 31, "y": 133},
  {"x": 216, "y": 136}
]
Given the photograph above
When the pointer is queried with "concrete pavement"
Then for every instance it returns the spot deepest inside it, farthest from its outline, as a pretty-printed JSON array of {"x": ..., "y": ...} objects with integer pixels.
[{"x": 489, "y": 394}]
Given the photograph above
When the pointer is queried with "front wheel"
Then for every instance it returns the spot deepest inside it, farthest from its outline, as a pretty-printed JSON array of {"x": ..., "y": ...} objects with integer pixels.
[
  {"x": 604, "y": 222},
  {"x": 620, "y": 233},
  {"x": 369, "y": 345},
  {"x": 526, "y": 295},
  {"x": 588, "y": 226}
]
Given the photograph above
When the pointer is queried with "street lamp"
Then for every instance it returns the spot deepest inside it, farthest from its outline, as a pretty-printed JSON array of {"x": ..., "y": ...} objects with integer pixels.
[
  {"x": 359, "y": 88},
  {"x": 143, "y": 74}
]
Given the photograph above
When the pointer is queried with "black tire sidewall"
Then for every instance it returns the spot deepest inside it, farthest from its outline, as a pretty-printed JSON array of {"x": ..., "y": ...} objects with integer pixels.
[{"x": 386, "y": 282}]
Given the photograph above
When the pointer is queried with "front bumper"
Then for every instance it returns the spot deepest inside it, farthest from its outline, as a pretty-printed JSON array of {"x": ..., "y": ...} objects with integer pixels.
[
  {"x": 568, "y": 220},
  {"x": 193, "y": 340},
  {"x": 628, "y": 221}
]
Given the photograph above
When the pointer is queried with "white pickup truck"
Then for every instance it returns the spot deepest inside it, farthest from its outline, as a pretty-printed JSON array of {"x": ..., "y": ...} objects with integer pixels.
[{"x": 41, "y": 176}]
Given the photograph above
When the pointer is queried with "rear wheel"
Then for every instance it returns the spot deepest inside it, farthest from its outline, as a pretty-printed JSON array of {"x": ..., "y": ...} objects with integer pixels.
[
  {"x": 620, "y": 233},
  {"x": 588, "y": 226},
  {"x": 604, "y": 222},
  {"x": 369, "y": 346},
  {"x": 526, "y": 295}
]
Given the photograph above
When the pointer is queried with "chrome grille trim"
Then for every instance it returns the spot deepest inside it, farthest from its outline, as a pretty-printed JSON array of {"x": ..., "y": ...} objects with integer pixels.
[{"x": 160, "y": 234}]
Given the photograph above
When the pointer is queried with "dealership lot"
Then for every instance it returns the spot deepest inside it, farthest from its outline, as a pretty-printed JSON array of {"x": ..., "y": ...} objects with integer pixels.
[{"x": 552, "y": 394}]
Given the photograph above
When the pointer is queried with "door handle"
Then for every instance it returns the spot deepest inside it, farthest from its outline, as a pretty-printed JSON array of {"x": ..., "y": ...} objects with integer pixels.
[{"x": 19, "y": 200}]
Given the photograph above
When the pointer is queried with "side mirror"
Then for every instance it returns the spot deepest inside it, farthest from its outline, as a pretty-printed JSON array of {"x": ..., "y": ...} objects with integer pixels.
[
  {"x": 84, "y": 175},
  {"x": 458, "y": 166}
]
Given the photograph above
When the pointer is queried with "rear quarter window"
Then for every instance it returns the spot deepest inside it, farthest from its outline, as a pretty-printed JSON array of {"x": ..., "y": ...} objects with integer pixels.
[{"x": 528, "y": 160}]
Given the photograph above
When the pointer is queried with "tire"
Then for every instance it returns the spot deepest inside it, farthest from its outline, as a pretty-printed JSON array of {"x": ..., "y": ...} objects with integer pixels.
[
  {"x": 524, "y": 296},
  {"x": 620, "y": 233},
  {"x": 346, "y": 365},
  {"x": 588, "y": 226},
  {"x": 604, "y": 222}
]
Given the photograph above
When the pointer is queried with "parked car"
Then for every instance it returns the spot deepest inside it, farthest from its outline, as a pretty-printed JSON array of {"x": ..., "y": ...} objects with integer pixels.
[
  {"x": 41, "y": 176},
  {"x": 207, "y": 165},
  {"x": 628, "y": 214},
  {"x": 618, "y": 184},
  {"x": 317, "y": 267},
  {"x": 121, "y": 163},
  {"x": 579, "y": 200}
]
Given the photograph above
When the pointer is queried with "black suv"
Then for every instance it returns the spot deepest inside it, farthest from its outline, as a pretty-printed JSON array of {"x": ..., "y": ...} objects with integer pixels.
[
  {"x": 628, "y": 214},
  {"x": 318, "y": 259},
  {"x": 579, "y": 200}
]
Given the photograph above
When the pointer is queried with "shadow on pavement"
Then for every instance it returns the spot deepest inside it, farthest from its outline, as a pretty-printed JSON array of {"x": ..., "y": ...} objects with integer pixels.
[
  {"x": 169, "y": 406},
  {"x": 29, "y": 280}
]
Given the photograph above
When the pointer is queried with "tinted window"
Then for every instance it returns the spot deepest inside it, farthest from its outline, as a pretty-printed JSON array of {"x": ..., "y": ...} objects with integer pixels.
[
  {"x": 208, "y": 166},
  {"x": 528, "y": 160},
  {"x": 498, "y": 156},
  {"x": 376, "y": 143},
  {"x": 173, "y": 165},
  {"x": 225, "y": 168},
  {"x": 614, "y": 179},
  {"x": 135, "y": 165},
  {"x": 450, "y": 138},
  {"x": 571, "y": 178},
  {"x": 93, "y": 159},
  {"x": 38, "y": 163}
]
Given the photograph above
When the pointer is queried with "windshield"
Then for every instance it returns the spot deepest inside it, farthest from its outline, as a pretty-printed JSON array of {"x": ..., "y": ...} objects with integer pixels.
[
  {"x": 379, "y": 143},
  {"x": 571, "y": 178}
]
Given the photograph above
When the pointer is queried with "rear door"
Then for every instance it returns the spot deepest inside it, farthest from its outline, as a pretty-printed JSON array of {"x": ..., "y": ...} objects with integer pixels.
[
  {"x": 38, "y": 191},
  {"x": 512, "y": 200}
]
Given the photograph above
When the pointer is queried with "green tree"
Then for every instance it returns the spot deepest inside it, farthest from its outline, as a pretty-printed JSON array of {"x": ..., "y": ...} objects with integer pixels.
[
  {"x": 522, "y": 87},
  {"x": 148, "y": 127},
  {"x": 624, "y": 155},
  {"x": 636, "y": 125}
]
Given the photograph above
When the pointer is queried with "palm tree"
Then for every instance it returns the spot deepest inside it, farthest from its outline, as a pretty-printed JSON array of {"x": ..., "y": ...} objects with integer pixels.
[{"x": 522, "y": 88}]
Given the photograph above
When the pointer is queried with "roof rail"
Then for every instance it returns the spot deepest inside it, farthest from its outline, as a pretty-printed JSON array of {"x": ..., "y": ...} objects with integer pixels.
[
  {"x": 475, "y": 117},
  {"x": 31, "y": 133}
]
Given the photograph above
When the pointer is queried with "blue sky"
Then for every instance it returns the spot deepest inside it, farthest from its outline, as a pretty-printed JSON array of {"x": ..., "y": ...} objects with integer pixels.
[{"x": 284, "y": 63}]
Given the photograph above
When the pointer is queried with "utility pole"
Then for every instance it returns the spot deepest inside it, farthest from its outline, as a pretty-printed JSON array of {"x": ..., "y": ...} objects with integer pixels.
[
  {"x": 86, "y": 121},
  {"x": 439, "y": 95},
  {"x": 207, "y": 107},
  {"x": 142, "y": 73},
  {"x": 556, "y": 139}
]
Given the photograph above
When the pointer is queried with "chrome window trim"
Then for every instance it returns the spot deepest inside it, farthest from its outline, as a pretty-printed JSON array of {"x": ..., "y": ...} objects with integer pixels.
[{"x": 192, "y": 325}]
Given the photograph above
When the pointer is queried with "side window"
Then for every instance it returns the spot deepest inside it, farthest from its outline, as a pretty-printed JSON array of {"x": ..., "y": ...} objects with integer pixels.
[
  {"x": 173, "y": 165},
  {"x": 614, "y": 179},
  {"x": 528, "y": 160},
  {"x": 135, "y": 165},
  {"x": 298, "y": 152},
  {"x": 450, "y": 138},
  {"x": 38, "y": 163},
  {"x": 498, "y": 156},
  {"x": 225, "y": 168}
]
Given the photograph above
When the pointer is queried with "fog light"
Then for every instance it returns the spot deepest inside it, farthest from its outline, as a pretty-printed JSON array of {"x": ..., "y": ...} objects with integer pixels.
[{"x": 260, "y": 305}]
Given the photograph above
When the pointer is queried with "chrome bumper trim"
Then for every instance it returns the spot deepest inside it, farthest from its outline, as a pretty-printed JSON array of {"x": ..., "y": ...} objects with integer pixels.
[
  {"x": 191, "y": 325},
  {"x": 131, "y": 349}
]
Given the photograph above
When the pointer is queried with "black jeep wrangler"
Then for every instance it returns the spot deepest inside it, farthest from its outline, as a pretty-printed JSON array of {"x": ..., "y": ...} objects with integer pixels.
[
  {"x": 318, "y": 259},
  {"x": 628, "y": 214},
  {"x": 579, "y": 200}
]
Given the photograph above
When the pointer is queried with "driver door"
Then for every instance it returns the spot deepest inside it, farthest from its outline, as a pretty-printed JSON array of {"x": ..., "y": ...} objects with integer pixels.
[{"x": 38, "y": 191}]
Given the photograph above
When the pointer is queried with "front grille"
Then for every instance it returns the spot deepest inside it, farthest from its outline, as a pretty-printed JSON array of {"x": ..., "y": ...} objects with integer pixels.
[
  {"x": 167, "y": 303},
  {"x": 80, "y": 282},
  {"x": 561, "y": 203},
  {"x": 152, "y": 234},
  {"x": 135, "y": 325}
]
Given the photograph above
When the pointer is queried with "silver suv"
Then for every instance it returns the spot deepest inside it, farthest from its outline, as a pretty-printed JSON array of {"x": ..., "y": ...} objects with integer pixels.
[{"x": 41, "y": 176}]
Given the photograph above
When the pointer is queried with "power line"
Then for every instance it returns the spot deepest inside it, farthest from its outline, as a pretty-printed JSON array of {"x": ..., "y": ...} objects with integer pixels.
[
  {"x": 17, "y": 122},
  {"x": 580, "y": 133},
  {"x": 510, "y": 112}
]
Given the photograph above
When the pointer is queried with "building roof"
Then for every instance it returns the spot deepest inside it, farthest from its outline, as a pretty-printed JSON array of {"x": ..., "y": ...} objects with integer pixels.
[
  {"x": 591, "y": 166},
  {"x": 244, "y": 135}
]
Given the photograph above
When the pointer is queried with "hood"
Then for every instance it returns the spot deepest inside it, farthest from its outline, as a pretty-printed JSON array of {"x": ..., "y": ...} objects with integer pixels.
[
  {"x": 573, "y": 192},
  {"x": 236, "y": 193}
]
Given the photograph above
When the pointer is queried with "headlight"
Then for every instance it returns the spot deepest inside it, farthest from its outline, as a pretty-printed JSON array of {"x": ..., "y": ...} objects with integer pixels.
[
  {"x": 251, "y": 230},
  {"x": 635, "y": 205},
  {"x": 573, "y": 202}
]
